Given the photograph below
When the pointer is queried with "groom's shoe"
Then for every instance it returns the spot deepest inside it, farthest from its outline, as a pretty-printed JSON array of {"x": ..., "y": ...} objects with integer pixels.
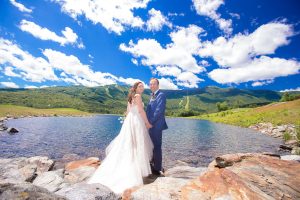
[{"x": 155, "y": 172}]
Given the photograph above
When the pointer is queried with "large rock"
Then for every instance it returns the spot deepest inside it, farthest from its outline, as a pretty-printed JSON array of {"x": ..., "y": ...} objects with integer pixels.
[
  {"x": 51, "y": 180},
  {"x": 79, "y": 174},
  {"x": 80, "y": 170},
  {"x": 246, "y": 176},
  {"x": 296, "y": 150},
  {"x": 18, "y": 170},
  {"x": 163, "y": 188},
  {"x": 185, "y": 172},
  {"x": 3, "y": 127},
  {"x": 2, "y": 119},
  {"x": 42, "y": 163},
  {"x": 12, "y": 131},
  {"x": 92, "y": 162},
  {"x": 291, "y": 157},
  {"x": 60, "y": 163},
  {"x": 80, "y": 191},
  {"x": 26, "y": 191}
]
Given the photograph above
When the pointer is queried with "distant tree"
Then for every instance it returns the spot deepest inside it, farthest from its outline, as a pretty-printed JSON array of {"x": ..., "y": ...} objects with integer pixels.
[
  {"x": 289, "y": 97},
  {"x": 222, "y": 106},
  {"x": 285, "y": 97},
  {"x": 237, "y": 103},
  {"x": 187, "y": 113}
]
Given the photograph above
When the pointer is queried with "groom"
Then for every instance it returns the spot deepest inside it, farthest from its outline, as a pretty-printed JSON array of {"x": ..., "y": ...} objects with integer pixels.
[{"x": 156, "y": 116}]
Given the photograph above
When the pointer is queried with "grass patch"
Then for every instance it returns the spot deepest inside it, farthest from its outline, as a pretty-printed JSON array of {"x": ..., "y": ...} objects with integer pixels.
[
  {"x": 287, "y": 136},
  {"x": 17, "y": 111},
  {"x": 276, "y": 113}
]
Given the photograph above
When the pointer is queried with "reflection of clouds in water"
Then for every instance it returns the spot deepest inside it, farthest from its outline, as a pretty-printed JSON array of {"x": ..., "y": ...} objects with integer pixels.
[
  {"x": 194, "y": 141},
  {"x": 198, "y": 142}
]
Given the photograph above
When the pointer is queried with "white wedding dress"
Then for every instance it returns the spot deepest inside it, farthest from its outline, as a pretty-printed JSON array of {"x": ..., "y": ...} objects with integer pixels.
[{"x": 128, "y": 155}]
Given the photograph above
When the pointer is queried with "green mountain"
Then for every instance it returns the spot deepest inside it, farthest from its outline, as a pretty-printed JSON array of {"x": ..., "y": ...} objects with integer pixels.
[{"x": 112, "y": 98}]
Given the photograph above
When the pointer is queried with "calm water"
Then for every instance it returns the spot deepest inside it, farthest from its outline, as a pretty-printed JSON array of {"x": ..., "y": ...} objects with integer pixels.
[{"x": 194, "y": 141}]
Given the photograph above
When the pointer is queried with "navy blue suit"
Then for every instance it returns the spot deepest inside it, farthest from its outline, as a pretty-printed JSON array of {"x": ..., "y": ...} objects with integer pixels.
[{"x": 156, "y": 116}]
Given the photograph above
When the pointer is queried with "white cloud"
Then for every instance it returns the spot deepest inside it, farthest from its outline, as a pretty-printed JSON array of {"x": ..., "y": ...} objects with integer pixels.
[
  {"x": 46, "y": 86},
  {"x": 134, "y": 61},
  {"x": 241, "y": 48},
  {"x": 209, "y": 8},
  {"x": 235, "y": 15},
  {"x": 68, "y": 35},
  {"x": 30, "y": 87},
  {"x": 131, "y": 81},
  {"x": 91, "y": 57},
  {"x": 157, "y": 20},
  {"x": 167, "y": 83},
  {"x": 204, "y": 63},
  {"x": 9, "y": 71},
  {"x": 34, "y": 87},
  {"x": 9, "y": 84},
  {"x": 261, "y": 83},
  {"x": 35, "y": 69},
  {"x": 243, "y": 57},
  {"x": 175, "y": 14},
  {"x": 168, "y": 70},
  {"x": 19, "y": 63},
  {"x": 263, "y": 68},
  {"x": 188, "y": 79},
  {"x": 79, "y": 72},
  {"x": 185, "y": 79},
  {"x": 20, "y": 6},
  {"x": 291, "y": 89},
  {"x": 178, "y": 55},
  {"x": 112, "y": 15}
]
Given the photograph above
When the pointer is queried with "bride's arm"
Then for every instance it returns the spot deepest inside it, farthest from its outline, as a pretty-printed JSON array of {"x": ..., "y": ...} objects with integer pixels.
[{"x": 138, "y": 100}]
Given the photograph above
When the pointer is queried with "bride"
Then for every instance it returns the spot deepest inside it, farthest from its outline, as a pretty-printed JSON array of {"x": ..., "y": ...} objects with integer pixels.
[{"x": 128, "y": 155}]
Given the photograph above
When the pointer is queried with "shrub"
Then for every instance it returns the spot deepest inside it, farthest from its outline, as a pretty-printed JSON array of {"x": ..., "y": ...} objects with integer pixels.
[
  {"x": 187, "y": 113},
  {"x": 287, "y": 136},
  {"x": 222, "y": 106}
]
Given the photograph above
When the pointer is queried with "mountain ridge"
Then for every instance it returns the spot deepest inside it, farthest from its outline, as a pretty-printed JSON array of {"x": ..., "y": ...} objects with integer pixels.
[{"x": 112, "y": 98}]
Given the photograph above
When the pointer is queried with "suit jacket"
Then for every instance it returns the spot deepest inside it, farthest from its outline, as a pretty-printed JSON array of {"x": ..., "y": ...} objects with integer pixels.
[{"x": 156, "y": 111}]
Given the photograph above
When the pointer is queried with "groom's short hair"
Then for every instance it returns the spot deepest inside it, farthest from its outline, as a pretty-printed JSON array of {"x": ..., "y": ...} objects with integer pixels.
[{"x": 155, "y": 79}]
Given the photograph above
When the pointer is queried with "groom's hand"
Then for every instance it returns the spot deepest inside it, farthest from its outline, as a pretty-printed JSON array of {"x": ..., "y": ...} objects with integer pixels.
[{"x": 148, "y": 125}]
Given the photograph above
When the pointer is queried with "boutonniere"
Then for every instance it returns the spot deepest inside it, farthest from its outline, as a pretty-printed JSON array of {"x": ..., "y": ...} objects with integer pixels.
[{"x": 153, "y": 97}]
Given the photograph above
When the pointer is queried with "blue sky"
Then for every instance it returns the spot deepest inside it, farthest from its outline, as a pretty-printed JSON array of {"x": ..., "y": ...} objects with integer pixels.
[{"x": 184, "y": 43}]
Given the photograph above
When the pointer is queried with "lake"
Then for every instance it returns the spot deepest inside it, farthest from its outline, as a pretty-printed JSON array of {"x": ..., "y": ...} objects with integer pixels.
[{"x": 196, "y": 142}]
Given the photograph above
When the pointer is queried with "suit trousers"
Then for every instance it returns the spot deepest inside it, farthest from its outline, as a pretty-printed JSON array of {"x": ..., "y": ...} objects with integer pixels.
[{"x": 156, "y": 137}]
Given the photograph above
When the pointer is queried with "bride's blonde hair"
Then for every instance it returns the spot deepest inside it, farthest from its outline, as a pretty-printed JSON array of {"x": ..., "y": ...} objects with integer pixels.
[{"x": 132, "y": 91}]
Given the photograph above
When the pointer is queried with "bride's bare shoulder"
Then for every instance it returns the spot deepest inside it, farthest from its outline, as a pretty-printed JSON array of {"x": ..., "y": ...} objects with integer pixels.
[
  {"x": 137, "y": 96},
  {"x": 137, "y": 99}
]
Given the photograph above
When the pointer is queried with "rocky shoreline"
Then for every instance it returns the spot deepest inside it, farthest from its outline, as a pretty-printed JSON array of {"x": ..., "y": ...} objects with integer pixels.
[
  {"x": 286, "y": 132},
  {"x": 232, "y": 176}
]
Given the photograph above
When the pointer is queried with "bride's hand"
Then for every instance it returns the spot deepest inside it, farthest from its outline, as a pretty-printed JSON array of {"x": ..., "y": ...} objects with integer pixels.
[{"x": 148, "y": 125}]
